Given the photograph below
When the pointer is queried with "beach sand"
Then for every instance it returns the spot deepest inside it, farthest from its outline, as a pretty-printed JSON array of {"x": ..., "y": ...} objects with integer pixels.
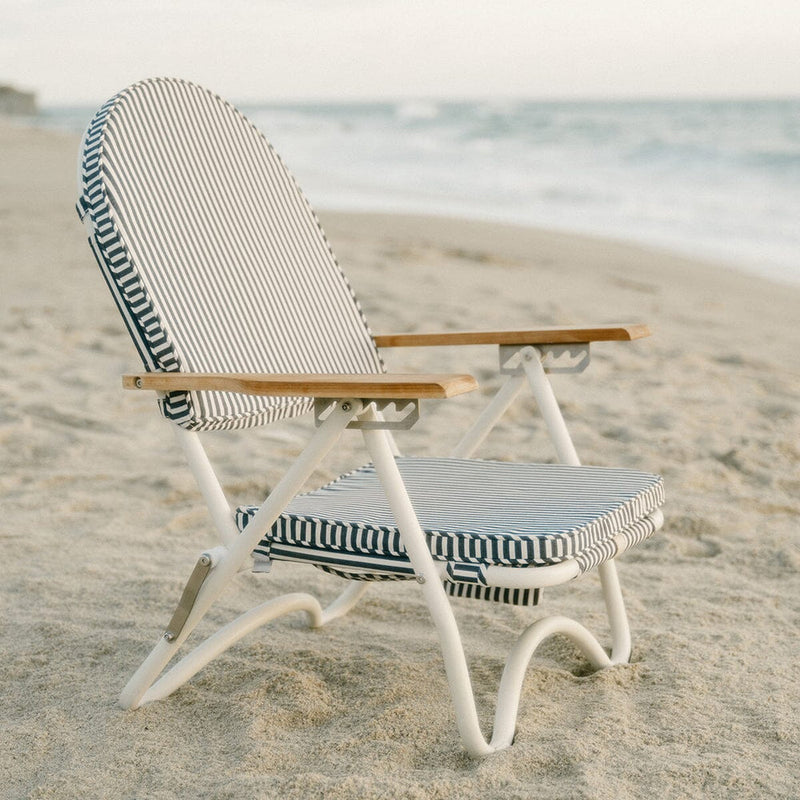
[{"x": 101, "y": 524}]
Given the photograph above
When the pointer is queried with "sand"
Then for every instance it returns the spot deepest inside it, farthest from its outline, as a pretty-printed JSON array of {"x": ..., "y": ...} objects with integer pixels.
[{"x": 101, "y": 524}]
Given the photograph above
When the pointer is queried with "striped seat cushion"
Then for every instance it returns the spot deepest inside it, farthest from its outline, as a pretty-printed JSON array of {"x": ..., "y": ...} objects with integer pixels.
[
  {"x": 474, "y": 514},
  {"x": 212, "y": 253}
]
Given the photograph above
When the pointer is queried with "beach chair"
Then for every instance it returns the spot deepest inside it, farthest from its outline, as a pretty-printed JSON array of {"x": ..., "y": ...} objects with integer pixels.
[{"x": 242, "y": 317}]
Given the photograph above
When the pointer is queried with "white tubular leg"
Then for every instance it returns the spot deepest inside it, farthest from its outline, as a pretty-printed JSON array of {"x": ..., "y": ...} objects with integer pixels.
[
  {"x": 219, "y": 577},
  {"x": 442, "y": 614},
  {"x": 229, "y": 635},
  {"x": 489, "y": 417},
  {"x": 371, "y": 414},
  {"x": 617, "y": 617},
  {"x": 556, "y": 427},
  {"x": 208, "y": 484},
  {"x": 548, "y": 406},
  {"x": 505, "y": 717}
]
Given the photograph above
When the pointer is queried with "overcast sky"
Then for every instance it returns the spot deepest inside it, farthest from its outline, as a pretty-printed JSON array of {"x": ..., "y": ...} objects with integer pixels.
[{"x": 74, "y": 51}]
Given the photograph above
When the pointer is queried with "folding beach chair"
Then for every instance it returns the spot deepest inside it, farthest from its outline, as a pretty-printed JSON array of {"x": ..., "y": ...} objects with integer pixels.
[{"x": 242, "y": 317}]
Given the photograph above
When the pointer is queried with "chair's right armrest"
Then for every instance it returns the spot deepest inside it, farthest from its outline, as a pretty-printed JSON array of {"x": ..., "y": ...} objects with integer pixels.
[{"x": 532, "y": 336}]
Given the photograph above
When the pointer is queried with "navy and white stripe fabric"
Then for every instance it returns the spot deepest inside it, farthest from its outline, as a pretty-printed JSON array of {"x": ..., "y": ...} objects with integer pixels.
[
  {"x": 214, "y": 257},
  {"x": 474, "y": 514}
]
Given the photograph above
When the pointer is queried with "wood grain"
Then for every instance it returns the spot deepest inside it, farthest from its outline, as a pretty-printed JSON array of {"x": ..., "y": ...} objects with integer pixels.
[
  {"x": 377, "y": 386},
  {"x": 547, "y": 335}
]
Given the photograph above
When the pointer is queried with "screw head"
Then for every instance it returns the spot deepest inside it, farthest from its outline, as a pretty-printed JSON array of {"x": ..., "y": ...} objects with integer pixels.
[{"x": 346, "y": 406}]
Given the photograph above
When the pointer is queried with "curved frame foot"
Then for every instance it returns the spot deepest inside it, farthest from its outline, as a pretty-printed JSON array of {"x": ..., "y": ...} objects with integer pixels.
[
  {"x": 142, "y": 689},
  {"x": 505, "y": 719}
]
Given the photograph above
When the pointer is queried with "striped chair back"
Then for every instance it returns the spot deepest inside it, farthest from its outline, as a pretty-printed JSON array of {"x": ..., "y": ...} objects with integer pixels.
[{"x": 214, "y": 257}]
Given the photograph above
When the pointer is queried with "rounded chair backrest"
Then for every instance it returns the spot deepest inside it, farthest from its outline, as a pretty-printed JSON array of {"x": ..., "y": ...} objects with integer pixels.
[{"x": 214, "y": 257}]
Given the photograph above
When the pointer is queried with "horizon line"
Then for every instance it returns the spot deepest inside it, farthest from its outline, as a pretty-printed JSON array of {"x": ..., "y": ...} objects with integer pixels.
[{"x": 583, "y": 99}]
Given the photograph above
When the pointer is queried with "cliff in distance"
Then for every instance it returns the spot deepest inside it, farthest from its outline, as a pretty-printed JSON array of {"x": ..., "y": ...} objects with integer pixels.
[{"x": 13, "y": 101}]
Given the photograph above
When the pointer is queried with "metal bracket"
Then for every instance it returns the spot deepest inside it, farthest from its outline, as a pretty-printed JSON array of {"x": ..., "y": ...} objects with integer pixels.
[
  {"x": 186, "y": 603},
  {"x": 408, "y": 408},
  {"x": 571, "y": 357}
]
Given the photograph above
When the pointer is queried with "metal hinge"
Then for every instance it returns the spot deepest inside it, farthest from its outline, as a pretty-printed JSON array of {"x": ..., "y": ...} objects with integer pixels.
[
  {"x": 554, "y": 357},
  {"x": 186, "y": 603},
  {"x": 409, "y": 409}
]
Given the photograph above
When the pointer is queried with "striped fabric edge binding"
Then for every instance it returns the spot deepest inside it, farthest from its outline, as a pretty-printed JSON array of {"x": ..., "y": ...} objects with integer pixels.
[
  {"x": 141, "y": 320},
  {"x": 401, "y": 569},
  {"x": 502, "y": 549},
  {"x": 375, "y": 566}
]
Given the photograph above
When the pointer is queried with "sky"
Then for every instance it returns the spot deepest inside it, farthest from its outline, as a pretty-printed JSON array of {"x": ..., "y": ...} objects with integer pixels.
[{"x": 73, "y": 52}]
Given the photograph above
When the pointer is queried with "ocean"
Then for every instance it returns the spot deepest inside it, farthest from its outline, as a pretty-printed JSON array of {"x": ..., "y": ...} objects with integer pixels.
[{"x": 718, "y": 180}]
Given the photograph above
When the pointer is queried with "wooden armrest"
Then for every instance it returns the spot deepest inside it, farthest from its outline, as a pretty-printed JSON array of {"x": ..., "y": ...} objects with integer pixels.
[
  {"x": 372, "y": 386},
  {"x": 547, "y": 335}
]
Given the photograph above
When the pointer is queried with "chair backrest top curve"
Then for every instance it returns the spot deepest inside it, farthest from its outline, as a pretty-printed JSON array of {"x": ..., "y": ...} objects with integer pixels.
[{"x": 214, "y": 257}]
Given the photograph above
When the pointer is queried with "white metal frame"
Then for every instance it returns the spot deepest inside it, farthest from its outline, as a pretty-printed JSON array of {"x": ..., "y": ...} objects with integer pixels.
[{"x": 220, "y": 564}]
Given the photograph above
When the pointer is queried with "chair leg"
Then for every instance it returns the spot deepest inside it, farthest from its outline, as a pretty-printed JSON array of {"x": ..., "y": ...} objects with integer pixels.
[
  {"x": 441, "y": 612},
  {"x": 444, "y": 620},
  {"x": 617, "y": 616},
  {"x": 227, "y": 636},
  {"x": 447, "y": 628},
  {"x": 489, "y": 417},
  {"x": 548, "y": 406},
  {"x": 136, "y": 691},
  {"x": 532, "y": 369},
  {"x": 562, "y": 441},
  {"x": 208, "y": 484},
  {"x": 517, "y": 665}
]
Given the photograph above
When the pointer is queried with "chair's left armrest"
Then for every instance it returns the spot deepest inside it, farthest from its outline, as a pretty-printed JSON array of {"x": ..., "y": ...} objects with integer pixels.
[
  {"x": 327, "y": 385},
  {"x": 546, "y": 335}
]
